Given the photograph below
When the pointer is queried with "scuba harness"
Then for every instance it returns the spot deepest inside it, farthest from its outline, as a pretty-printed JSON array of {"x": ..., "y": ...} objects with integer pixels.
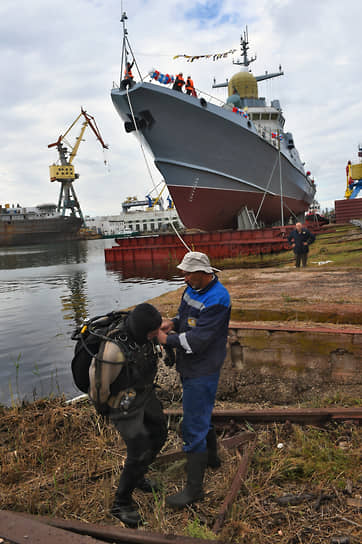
[{"x": 111, "y": 328}]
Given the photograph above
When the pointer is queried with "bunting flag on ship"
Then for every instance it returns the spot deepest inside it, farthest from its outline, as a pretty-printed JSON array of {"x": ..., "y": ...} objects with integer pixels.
[
  {"x": 215, "y": 56},
  {"x": 240, "y": 112},
  {"x": 275, "y": 135},
  {"x": 161, "y": 78}
]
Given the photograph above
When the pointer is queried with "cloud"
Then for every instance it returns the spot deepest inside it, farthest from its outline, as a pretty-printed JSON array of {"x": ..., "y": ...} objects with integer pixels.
[{"x": 56, "y": 59}]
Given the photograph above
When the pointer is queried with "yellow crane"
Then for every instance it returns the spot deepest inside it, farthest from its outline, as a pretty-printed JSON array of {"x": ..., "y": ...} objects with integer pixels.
[
  {"x": 64, "y": 171},
  {"x": 354, "y": 177}
]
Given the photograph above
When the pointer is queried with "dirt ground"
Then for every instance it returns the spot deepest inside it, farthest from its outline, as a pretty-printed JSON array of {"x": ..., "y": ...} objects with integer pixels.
[{"x": 285, "y": 294}]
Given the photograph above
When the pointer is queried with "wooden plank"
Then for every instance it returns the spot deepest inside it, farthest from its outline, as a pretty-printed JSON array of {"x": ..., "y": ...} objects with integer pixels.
[
  {"x": 19, "y": 529},
  {"x": 119, "y": 535},
  {"x": 235, "y": 487},
  {"x": 104, "y": 533}
]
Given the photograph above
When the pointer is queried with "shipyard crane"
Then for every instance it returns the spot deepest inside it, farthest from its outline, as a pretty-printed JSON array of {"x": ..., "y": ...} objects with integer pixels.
[
  {"x": 64, "y": 172},
  {"x": 354, "y": 177}
]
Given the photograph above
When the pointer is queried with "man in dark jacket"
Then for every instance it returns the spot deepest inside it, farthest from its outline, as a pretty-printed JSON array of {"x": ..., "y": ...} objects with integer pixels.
[
  {"x": 300, "y": 240},
  {"x": 201, "y": 329},
  {"x": 123, "y": 389}
]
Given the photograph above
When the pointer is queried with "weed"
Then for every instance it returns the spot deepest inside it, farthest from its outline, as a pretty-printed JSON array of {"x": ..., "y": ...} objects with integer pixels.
[{"x": 195, "y": 529}]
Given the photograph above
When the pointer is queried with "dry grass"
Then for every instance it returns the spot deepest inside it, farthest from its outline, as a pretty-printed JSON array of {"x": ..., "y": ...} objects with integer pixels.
[{"x": 63, "y": 460}]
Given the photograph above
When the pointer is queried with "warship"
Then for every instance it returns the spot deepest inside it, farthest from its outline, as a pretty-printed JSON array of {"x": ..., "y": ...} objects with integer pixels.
[
  {"x": 35, "y": 225},
  {"x": 227, "y": 164}
]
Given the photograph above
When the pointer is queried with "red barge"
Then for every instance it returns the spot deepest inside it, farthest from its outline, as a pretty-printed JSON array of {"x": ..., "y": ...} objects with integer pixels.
[{"x": 216, "y": 244}]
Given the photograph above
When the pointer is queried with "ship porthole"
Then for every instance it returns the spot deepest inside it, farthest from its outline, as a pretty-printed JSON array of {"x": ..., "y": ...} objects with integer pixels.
[
  {"x": 203, "y": 102},
  {"x": 249, "y": 124}
]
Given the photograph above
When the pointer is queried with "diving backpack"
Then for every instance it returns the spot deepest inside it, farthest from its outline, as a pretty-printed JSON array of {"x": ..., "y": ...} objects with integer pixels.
[{"x": 89, "y": 337}]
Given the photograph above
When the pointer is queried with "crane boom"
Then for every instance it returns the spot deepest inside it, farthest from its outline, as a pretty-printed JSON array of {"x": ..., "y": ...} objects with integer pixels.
[{"x": 64, "y": 172}]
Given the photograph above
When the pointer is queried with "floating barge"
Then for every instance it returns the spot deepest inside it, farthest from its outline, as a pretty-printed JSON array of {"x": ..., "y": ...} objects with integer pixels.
[{"x": 216, "y": 244}]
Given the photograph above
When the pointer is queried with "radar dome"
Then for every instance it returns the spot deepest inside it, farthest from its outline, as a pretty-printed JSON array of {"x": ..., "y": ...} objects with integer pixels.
[{"x": 245, "y": 84}]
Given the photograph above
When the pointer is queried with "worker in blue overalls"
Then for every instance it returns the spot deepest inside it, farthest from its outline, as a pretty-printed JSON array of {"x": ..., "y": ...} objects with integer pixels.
[{"x": 200, "y": 336}]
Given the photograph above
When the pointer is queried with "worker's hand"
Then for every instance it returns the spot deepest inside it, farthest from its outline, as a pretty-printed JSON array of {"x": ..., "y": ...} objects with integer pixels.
[
  {"x": 305, "y": 243},
  {"x": 293, "y": 245},
  {"x": 166, "y": 325},
  {"x": 162, "y": 336}
]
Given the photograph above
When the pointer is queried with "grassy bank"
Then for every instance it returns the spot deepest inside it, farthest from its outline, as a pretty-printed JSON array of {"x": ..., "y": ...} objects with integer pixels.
[
  {"x": 339, "y": 244},
  {"x": 303, "y": 483}
]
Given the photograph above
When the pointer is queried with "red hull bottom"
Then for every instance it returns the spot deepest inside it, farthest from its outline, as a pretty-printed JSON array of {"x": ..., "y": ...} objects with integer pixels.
[{"x": 213, "y": 209}]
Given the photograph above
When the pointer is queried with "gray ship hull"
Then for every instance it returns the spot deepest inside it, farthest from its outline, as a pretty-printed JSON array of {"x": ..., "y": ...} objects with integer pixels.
[{"x": 213, "y": 161}]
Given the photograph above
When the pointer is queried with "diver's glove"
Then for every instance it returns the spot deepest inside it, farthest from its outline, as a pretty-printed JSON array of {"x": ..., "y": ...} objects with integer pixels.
[
  {"x": 103, "y": 410},
  {"x": 170, "y": 357}
]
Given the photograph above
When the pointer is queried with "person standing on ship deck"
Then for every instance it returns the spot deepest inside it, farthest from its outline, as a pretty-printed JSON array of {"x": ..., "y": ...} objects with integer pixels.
[
  {"x": 201, "y": 329},
  {"x": 179, "y": 82},
  {"x": 128, "y": 76},
  {"x": 190, "y": 89}
]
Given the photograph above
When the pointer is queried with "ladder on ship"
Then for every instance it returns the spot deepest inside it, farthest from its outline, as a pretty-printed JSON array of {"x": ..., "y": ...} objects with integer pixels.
[{"x": 247, "y": 219}]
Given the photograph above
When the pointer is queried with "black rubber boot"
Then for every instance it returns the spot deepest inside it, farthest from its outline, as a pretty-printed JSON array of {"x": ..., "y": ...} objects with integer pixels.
[
  {"x": 124, "y": 508},
  {"x": 127, "y": 513},
  {"x": 196, "y": 464},
  {"x": 213, "y": 460},
  {"x": 147, "y": 486}
]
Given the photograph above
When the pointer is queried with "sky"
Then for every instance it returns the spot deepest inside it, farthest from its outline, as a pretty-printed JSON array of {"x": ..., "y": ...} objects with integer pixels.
[{"x": 57, "y": 58}]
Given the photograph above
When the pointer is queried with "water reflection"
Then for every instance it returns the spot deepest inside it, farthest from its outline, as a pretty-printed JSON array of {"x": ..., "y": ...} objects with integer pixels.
[
  {"x": 43, "y": 255},
  {"x": 144, "y": 269},
  {"x": 75, "y": 304}
]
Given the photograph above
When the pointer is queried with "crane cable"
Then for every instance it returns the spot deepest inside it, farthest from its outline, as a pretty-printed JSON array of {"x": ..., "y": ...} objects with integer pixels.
[{"x": 148, "y": 168}]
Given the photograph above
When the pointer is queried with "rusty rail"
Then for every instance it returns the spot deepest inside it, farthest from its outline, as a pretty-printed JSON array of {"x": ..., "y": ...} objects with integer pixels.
[{"x": 303, "y": 416}]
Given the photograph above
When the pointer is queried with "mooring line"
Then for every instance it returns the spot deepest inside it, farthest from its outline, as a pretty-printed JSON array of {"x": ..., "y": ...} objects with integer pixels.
[{"x": 148, "y": 168}]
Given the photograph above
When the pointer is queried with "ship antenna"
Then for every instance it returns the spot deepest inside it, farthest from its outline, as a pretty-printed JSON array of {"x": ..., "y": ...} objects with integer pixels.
[
  {"x": 125, "y": 52},
  {"x": 244, "y": 46}
]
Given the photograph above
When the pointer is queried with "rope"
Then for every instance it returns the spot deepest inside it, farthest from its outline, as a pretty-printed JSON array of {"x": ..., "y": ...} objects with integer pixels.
[
  {"x": 144, "y": 155},
  {"x": 148, "y": 168},
  {"x": 177, "y": 234},
  {"x": 286, "y": 206},
  {"x": 266, "y": 190}
]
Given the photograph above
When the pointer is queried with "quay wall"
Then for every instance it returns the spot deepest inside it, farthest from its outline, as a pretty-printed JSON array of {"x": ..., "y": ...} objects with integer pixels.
[{"x": 284, "y": 365}]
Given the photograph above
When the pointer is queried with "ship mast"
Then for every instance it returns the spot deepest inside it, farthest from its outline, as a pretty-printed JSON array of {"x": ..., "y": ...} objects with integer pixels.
[
  {"x": 245, "y": 62},
  {"x": 244, "y": 46},
  {"x": 125, "y": 51}
]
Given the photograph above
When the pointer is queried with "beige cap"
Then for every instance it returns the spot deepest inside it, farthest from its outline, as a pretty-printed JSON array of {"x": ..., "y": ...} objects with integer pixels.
[{"x": 194, "y": 261}]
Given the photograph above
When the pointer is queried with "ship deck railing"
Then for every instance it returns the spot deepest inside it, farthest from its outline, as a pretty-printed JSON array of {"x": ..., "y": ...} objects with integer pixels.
[
  {"x": 200, "y": 94},
  {"x": 263, "y": 131}
]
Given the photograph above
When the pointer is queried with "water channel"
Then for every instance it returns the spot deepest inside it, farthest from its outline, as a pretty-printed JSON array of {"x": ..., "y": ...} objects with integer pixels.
[{"x": 48, "y": 290}]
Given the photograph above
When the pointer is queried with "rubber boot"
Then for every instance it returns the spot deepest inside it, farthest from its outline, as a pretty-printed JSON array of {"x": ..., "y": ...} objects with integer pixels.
[
  {"x": 196, "y": 464},
  {"x": 124, "y": 508},
  {"x": 127, "y": 513},
  {"x": 147, "y": 486},
  {"x": 213, "y": 460}
]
